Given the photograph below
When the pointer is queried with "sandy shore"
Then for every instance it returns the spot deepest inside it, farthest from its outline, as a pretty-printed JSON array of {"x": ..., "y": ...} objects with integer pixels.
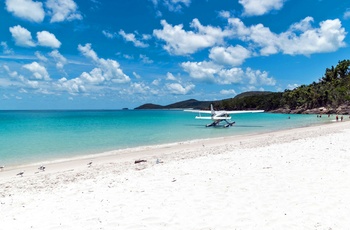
[{"x": 293, "y": 179}]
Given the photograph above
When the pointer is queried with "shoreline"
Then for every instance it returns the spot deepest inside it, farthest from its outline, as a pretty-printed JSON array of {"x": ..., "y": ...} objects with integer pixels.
[
  {"x": 293, "y": 179},
  {"x": 40, "y": 152},
  {"x": 143, "y": 151}
]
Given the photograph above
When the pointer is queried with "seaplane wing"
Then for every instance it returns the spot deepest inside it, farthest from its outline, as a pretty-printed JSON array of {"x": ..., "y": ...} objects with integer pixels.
[
  {"x": 197, "y": 111},
  {"x": 203, "y": 118},
  {"x": 219, "y": 116},
  {"x": 223, "y": 111},
  {"x": 241, "y": 111}
]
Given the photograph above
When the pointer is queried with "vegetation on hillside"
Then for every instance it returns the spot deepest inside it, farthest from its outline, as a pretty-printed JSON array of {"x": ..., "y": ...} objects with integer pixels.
[
  {"x": 266, "y": 101},
  {"x": 332, "y": 90}
]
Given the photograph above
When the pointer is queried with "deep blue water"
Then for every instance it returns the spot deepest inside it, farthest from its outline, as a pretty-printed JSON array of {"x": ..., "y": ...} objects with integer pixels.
[{"x": 31, "y": 136}]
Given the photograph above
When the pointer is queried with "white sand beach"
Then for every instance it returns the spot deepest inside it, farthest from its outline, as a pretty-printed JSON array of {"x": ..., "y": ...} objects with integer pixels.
[{"x": 293, "y": 179}]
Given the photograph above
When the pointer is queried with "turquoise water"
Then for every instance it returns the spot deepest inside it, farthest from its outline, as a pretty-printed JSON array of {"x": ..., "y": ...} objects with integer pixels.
[{"x": 32, "y": 136}]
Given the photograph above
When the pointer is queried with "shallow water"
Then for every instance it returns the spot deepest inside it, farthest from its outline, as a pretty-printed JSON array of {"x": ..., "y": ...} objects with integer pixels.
[{"x": 31, "y": 136}]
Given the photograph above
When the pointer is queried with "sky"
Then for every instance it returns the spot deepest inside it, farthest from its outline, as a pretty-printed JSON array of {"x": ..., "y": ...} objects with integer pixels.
[{"x": 103, "y": 54}]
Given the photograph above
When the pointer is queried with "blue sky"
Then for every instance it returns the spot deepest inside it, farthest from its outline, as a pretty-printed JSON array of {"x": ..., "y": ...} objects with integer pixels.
[{"x": 102, "y": 54}]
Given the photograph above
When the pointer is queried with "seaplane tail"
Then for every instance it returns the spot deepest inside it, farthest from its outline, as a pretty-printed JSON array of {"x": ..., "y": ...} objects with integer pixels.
[{"x": 212, "y": 110}]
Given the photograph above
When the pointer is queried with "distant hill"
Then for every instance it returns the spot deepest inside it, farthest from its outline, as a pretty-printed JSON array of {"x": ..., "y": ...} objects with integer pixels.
[
  {"x": 192, "y": 103},
  {"x": 195, "y": 104},
  {"x": 150, "y": 106},
  {"x": 251, "y": 93}
]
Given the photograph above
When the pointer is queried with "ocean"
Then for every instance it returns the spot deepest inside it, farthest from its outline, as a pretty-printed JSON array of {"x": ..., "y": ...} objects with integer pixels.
[{"x": 35, "y": 136}]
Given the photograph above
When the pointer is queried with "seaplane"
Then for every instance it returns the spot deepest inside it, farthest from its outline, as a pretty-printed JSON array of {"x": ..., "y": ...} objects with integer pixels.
[{"x": 219, "y": 116}]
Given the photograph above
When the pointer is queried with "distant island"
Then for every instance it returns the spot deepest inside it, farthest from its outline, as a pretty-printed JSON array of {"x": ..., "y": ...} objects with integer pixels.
[
  {"x": 330, "y": 95},
  {"x": 192, "y": 103}
]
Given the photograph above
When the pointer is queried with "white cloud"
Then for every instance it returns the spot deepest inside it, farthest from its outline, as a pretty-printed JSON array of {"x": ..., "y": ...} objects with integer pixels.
[
  {"x": 257, "y": 77},
  {"x": 48, "y": 39},
  {"x": 14, "y": 79},
  {"x": 136, "y": 75},
  {"x": 180, "y": 42},
  {"x": 146, "y": 36},
  {"x": 260, "y": 7},
  {"x": 44, "y": 91},
  {"x": 59, "y": 58},
  {"x": 224, "y": 14},
  {"x": 232, "y": 55},
  {"x": 346, "y": 15},
  {"x": 108, "y": 34},
  {"x": 5, "y": 48},
  {"x": 145, "y": 59},
  {"x": 29, "y": 83},
  {"x": 156, "y": 82},
  {"x": 63, "y": 10},
  {"x": 21, "y": 82},
  {"x": 111, "y": 71},
  {"x": 327, "y": 38},
  {"x": 303, "y": 25},
  {"x": 176, "y": 5},
  {"x": 106, "y": 73},
  {"x": 155, "y": 2},
  {"x": 72, "y": 86},
  {"x": 230, "y": 76},
  {"x": 228, "y": 92},
  {"x": 129, "y": 57},
  {"x": 23, "y": 91},
  {"x": 172, "y": 5},
  {"x": 40, "y": 56},
  {"x": 292, "y": 86},
  {"x": 212, "y": 73},
  {"x": 26, "y": 9},
  {"x": 39, "y": 81},
  {"x": 95, "y": 76},
  {"x": 139, "y": 88},
  {"x": 300, "y": 38},
  {"x": 88, "y": 52},
  {"x": 39, "y": 72},
  {"x": 132, "y": 38},
  {"x": 13, "y": 74},
  {"x": 261, "y": 36},
  {"x": 178, "y": 89},
  {"x": 202, "y": 71},
  {"x": 22, "y": 36},
  {"x": 170, "y": 77}
]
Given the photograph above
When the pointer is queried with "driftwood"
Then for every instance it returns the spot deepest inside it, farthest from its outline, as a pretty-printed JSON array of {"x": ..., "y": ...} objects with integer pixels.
[{"x": 140, "y": 161}]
